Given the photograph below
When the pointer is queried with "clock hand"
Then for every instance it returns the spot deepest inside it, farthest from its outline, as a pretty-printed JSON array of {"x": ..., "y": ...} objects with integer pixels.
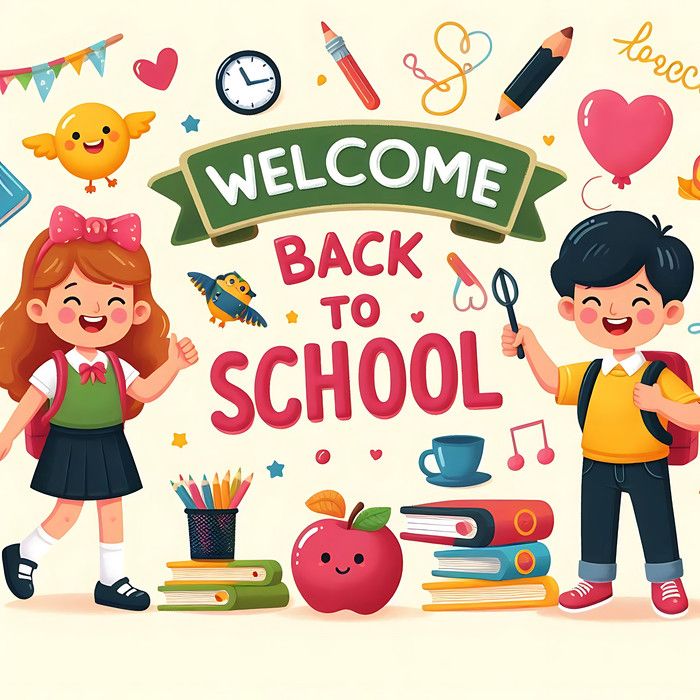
[
  {"x": 257, "y": 82},
  {"x": 245, "y": 77}
]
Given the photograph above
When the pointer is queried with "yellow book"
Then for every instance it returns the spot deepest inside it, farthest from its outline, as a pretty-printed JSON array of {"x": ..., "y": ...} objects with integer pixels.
[{"x": 478, "y": 594}]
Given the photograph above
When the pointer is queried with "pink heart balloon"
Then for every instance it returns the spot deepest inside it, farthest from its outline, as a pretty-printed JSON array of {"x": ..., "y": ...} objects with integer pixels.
[
  {"x": 623, "y": 137},
  {"x": 160, "y": 74}
]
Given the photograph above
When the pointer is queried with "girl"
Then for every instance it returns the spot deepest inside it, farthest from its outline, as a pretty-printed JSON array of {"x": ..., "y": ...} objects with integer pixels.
[{"x": 85, "y": 286}]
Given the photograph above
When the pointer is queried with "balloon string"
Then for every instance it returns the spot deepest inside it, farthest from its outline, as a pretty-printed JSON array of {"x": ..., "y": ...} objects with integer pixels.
[
  {"x": 410, "y": 60},
  {"x": 583, "y": 197}
]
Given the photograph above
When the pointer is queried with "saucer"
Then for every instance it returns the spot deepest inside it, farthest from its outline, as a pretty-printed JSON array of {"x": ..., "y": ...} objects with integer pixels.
[{"x": 472, "y": 480}]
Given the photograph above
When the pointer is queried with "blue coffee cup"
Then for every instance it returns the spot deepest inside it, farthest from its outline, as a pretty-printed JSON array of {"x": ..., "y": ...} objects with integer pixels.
[{"x": 457, "y": 456}]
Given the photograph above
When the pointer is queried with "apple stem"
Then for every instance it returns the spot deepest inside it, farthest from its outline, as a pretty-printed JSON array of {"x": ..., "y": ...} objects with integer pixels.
[{"x": 355, "y": 512}]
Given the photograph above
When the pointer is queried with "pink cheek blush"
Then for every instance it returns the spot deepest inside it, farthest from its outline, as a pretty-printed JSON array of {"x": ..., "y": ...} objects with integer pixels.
[
  {"x": 69, "y": 145},
  {"x": 66, "y": 315},
  {"x": 118, "y": 315},
  {"x": 113, "y": 135},
  {"x": 646, "y": 316},
  {"x": 589, "y": 316}
]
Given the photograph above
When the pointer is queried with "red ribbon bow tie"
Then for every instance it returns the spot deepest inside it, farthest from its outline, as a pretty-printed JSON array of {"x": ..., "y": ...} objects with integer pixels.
[{"x": 92, "y": 373}]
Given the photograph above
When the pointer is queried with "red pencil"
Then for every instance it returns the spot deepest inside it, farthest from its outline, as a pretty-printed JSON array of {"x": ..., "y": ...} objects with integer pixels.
[
  {"x": 238, "y": 497},
  {"x": 196, "y": 496},
  {"x": 337, "y": 49}
]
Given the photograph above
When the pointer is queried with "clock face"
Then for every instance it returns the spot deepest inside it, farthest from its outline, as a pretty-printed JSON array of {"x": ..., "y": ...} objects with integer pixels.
[{"x": 248, "y": 82}]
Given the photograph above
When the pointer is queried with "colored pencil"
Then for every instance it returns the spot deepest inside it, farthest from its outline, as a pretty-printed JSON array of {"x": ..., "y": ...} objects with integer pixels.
[
  {"x": 218, "y": 504},
  {"x": 181, "y": 491},
  {"x": 236, "y": 500},
  {"x": 335, "y": 45},
  {"x": 225, "y": 487},
  {"x": 235, "y": 483},
  {"x": 535, "y": 73},
  {"x": 206, "y": 493},
  {"x": 196, "y": 496}
]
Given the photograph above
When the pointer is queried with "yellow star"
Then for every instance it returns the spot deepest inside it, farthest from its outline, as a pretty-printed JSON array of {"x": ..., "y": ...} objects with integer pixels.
[
  {"x": 292, "y": 317},
  {"x": 179, "y": 439}
]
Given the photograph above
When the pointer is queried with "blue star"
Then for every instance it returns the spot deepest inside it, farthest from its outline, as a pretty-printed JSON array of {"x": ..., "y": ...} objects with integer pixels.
[
  {"x": 190, "y": 124},
  {"x": 275, "y": 469}
]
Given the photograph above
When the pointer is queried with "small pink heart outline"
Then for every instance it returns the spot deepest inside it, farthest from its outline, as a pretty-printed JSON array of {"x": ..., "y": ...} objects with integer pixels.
[
  {"x": 417, "y": 316},
  {"x": 375, "y": 454},
  {"x": 160, "y": 74}
]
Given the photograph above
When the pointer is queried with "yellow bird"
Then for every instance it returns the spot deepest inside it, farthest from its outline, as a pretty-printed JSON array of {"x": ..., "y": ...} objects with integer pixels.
[{"x": 91, "y": 141}]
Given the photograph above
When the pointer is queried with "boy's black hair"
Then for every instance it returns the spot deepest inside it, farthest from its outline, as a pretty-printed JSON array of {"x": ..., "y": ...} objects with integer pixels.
[{"x": 610, "y": 248}]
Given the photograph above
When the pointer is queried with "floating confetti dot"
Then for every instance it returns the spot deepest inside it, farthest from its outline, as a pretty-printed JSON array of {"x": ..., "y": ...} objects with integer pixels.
[
  {"x": 323, "y": 456},
  {"x": 321, "y": 79}
]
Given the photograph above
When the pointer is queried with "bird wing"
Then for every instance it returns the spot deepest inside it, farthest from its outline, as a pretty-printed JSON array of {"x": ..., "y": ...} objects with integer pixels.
[
  {"x": 138, "y": 123},
  {"x": 43, "y": 145},
  {"x": 202, "y": 282},
  {"x": 252, "y": 318}
]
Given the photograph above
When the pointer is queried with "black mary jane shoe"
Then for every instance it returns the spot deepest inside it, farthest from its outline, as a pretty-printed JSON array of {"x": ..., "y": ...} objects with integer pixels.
[
  {"x": 122, "y": 595},
  {"x": 21, "y": 585}
]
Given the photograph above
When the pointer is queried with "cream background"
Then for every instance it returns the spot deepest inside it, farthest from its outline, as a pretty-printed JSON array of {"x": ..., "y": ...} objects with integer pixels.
[{"x": 59, "y": 645}]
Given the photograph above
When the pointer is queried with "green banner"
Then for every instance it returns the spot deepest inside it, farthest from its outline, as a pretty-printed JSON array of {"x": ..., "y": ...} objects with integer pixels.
[{"x": 485, "y": 185}]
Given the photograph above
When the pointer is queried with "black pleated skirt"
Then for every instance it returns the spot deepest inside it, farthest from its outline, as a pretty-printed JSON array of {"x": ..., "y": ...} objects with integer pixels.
[{"x": 86, "y": 465}]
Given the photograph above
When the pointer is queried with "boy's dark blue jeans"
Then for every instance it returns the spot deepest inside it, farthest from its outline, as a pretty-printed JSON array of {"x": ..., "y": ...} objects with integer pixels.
[{"x": 649, "y": 488}]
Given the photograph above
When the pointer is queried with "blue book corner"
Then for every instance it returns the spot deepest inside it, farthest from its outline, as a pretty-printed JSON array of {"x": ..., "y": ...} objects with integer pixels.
[
  {"x": 14, "y": 196},
  {"x": 505, "y": 563}
]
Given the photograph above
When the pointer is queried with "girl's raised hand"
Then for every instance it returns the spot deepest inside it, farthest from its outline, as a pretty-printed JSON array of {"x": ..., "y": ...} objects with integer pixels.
[{"x": 181, "y": 353}]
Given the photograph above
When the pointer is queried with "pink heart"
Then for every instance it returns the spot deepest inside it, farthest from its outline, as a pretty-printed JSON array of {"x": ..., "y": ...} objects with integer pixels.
[
  {"x": 418, "y": 316},
  {"x": 160, "y": 74},
  {"x": 375, "y": 454},
  {"x": 623, "y": 137}
]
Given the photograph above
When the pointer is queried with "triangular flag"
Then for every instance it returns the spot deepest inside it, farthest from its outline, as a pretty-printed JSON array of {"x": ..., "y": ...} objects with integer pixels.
[
  {"x": 43, "y": 78},
  {"x": 97, "y": 56},
  {"x": 57, "y": 68},
  {"x": 76, "y": 60},
  {"x": 4, "y": 82},
  {"x": 24, "y": 79}
]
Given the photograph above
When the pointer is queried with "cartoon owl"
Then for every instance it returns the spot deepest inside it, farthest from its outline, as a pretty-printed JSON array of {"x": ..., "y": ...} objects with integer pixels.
[{"x": 228, "y": 298}]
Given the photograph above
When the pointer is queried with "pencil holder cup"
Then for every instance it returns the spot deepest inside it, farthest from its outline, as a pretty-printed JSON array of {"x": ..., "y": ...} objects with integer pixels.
[{"x": 212, "y": 533}]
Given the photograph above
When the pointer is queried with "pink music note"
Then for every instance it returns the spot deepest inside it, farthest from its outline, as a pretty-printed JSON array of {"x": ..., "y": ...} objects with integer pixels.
[{"x": 544, "y": 456}]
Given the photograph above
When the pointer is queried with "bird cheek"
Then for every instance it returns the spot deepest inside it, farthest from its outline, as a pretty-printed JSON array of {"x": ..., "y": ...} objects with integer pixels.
[
  {"x": 113, "y": 135},
  {"x": 69, "y": 145}
]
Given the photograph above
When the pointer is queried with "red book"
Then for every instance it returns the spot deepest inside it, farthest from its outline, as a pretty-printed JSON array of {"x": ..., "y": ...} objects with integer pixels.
[{"x": 478, "y": 523}]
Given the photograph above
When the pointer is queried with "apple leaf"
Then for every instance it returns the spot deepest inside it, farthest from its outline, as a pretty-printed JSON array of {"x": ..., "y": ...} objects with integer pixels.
[
  {"x": 328, "y": 503},
  {"x": 372, "y": 519}
]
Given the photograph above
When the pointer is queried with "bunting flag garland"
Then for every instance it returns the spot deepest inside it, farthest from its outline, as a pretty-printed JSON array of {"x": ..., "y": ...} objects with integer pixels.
[{"x": 45, "y": 74}]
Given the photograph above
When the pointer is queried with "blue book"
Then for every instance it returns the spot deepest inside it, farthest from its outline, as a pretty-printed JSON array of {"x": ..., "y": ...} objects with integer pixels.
[
  {"x": 14, "y": 196},
  {"x": 504, "y": 563}
]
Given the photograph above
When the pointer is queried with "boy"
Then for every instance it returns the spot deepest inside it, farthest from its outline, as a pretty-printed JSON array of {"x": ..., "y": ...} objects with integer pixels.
[{"x": 621, "y": 280}]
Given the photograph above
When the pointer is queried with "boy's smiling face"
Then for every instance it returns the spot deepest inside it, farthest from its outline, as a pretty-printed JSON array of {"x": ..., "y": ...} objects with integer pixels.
[{"x": 622, "y": 317}]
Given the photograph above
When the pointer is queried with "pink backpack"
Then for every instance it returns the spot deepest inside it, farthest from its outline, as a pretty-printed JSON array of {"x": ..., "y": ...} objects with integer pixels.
[
  {"x": 683, "y": 443},
  {"x": 37, "y": 430}
]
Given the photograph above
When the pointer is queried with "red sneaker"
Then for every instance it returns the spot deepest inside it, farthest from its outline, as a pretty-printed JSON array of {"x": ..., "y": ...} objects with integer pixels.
[
  {"x": 586, "y": 596},
  {"x": 669, "y": 598}
]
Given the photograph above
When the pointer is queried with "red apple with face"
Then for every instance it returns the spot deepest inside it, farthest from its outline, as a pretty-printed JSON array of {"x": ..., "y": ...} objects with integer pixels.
[{"x": 352, "y": 564}]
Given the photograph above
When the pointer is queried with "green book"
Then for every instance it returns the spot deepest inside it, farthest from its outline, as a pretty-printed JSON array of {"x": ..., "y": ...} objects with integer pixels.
[
  {"x": 248, "y": 572},
  {"x": 211, "y": 596}
]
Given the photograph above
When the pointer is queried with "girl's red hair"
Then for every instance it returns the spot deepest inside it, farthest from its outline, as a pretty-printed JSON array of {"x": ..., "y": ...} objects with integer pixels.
[{"x": 24, "y": 345}]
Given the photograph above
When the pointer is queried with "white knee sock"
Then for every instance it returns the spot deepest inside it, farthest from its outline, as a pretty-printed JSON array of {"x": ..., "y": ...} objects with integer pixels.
[
  {"x": 111, "y": 562},
  {"x": 36, "y": 544}
]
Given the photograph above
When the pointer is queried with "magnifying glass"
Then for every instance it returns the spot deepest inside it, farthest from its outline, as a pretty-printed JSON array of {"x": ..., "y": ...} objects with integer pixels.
[{"x": 505, "y": 291}]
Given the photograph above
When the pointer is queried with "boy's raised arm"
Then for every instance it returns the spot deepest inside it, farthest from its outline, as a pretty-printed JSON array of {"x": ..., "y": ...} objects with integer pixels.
[{"x": 546, "y": 372}]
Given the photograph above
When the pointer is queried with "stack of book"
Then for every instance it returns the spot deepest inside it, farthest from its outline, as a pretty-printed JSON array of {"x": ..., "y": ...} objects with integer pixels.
[
  {"x": 496, "y": 559},
  {"x": 224, "y": 585}
]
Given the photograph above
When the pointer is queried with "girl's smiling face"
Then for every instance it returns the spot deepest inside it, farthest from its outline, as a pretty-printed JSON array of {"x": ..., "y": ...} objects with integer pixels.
[{"x": 88, "y": 314}]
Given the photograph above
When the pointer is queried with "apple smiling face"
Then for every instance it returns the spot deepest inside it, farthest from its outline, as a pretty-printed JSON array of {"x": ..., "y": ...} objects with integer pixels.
[{"x": 340, "y": 567}]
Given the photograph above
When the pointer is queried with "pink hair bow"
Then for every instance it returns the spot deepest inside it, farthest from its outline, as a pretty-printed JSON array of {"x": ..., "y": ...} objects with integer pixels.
[{"x": 67, "y": 225}]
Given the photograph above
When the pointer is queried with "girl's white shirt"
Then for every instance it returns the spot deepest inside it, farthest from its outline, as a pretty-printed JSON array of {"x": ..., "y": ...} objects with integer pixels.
[{"x": 45, "y": 379}]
